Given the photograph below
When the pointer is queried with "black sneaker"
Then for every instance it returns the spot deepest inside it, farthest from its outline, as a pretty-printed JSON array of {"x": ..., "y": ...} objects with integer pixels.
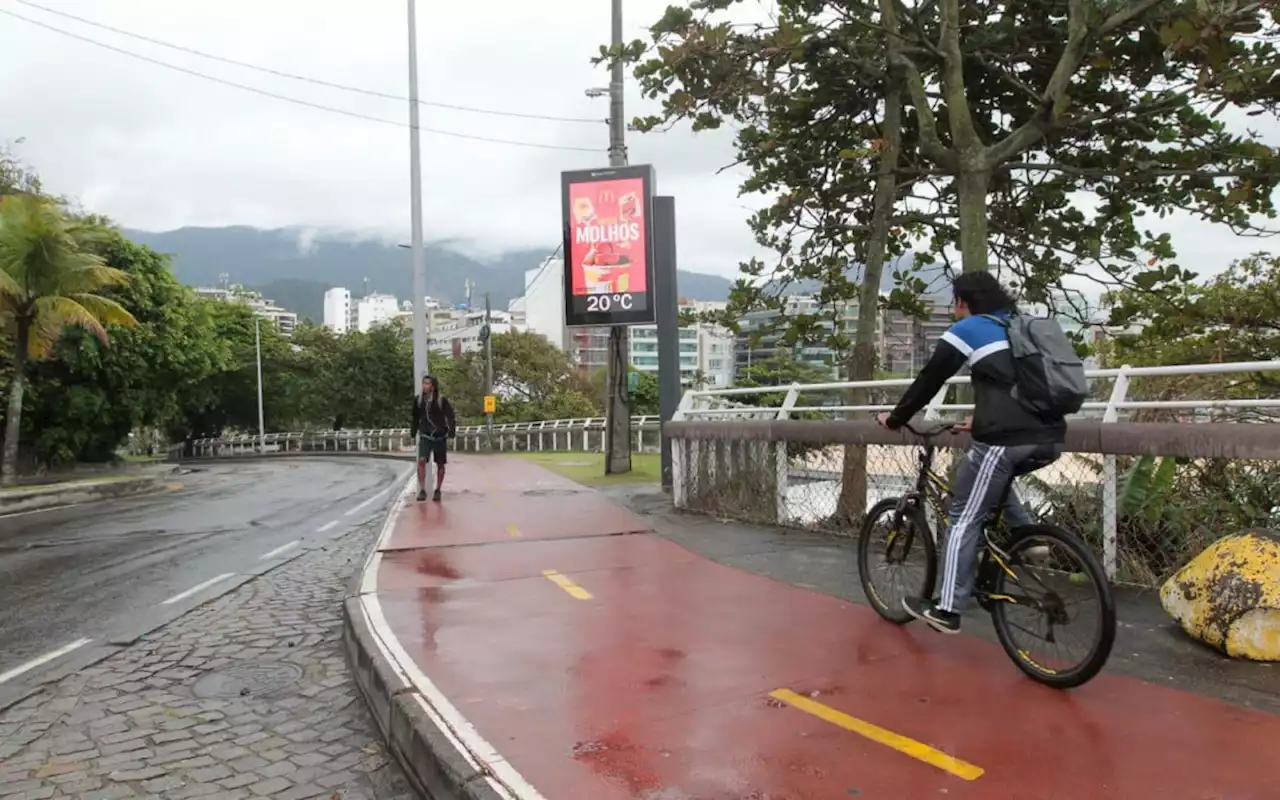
[
  {"x": 422, "y": 495},
  {"x": 928, "y": 612},
  {"x": 436, "y": 496}
]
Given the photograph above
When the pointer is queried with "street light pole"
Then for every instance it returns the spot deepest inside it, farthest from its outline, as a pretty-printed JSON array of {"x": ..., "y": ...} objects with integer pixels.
[
  {"x": 617, "y": 444},
  {"x": 257, "y": 343},
  {"x": 415, "y": 211}
]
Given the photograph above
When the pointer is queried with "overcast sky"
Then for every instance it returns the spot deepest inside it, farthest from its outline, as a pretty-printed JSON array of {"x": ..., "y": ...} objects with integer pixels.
[{"x": 157, "y": 149}]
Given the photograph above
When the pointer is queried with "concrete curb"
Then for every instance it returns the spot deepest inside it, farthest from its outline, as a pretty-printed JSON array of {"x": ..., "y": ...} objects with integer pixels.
[
  {"x": 435, "y": 762},
  {"x": 437, "y": 769},
  {"x": 39, "y": 498}
]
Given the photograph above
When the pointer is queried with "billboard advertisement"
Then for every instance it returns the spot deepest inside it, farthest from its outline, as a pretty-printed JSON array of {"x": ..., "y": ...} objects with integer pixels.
[{"x": 608, "y": 246}]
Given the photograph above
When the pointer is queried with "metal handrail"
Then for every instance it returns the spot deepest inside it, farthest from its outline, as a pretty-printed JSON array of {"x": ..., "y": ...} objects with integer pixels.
[{"x": 715, "y": 403}]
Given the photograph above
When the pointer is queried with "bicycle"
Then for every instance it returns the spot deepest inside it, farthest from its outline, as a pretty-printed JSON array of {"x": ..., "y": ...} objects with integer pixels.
[{"x": 998, "y": 589}]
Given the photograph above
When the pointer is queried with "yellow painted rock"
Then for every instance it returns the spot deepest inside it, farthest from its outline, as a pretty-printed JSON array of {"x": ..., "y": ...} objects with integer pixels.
[{"x": 1229, "y": 596}]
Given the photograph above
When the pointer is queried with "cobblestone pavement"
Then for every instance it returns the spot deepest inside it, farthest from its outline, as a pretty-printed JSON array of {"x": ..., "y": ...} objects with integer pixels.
[{"x": 248, "y": 696}]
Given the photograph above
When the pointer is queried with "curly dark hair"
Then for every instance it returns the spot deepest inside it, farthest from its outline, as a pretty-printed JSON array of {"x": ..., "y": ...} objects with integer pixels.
[{"x": 982, "y": 293}]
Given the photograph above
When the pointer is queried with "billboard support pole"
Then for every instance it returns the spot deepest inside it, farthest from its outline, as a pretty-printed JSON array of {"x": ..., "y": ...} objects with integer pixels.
[
  {"x": 488, "y": 371},
  {"x": 666, "y": 300},
  {"x": 617, "y": 437}
]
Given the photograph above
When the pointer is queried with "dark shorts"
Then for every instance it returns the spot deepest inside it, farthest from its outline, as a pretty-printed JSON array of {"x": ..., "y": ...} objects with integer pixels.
[{"x": 430, "y": 449}]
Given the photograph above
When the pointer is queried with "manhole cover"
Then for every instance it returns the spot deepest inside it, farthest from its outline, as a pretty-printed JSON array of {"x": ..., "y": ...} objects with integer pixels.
[
  {"x": 248, "y": 680},
  {"x": 549, "y": 492}
]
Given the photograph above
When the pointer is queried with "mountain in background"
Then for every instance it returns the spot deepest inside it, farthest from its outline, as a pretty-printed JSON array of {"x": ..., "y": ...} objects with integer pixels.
[{"x": 295, "y": 271}]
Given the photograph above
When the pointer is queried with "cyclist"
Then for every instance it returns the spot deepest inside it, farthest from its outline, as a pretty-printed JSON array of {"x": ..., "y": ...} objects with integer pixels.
[
  {"x": 1008, "y": 439},
  {"x": 434, "y": 424}
]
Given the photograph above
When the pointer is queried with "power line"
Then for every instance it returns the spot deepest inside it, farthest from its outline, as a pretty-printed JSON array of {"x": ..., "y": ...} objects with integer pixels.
[
  {"x": 286, "y": 98},
  {"x": 546, "y": 262},
  {"x": 304, "y": 78}
]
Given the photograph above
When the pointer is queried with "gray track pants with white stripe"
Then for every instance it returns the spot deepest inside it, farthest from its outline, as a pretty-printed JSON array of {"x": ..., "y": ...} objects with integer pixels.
[{"x": 980, "y": 481}]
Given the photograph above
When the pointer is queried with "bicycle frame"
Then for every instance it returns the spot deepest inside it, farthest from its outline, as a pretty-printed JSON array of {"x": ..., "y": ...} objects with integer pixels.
[{"x": 933, "y": 490}]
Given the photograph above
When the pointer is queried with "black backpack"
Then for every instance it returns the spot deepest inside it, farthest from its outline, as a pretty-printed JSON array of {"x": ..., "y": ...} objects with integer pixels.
[{"x": 1049, "y": 376}]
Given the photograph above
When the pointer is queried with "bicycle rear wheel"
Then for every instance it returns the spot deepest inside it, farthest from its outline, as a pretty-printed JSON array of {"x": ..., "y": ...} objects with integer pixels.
[
  {"x": 1049, "y": 563},
  {"x": 880, "y": 548}
]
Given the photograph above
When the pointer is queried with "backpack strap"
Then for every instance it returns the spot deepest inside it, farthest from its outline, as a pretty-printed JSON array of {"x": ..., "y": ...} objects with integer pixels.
[{"x": 1003, "y": 323}]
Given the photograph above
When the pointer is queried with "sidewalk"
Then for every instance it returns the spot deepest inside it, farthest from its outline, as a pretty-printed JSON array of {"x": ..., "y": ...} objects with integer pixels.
[{"x": 528, "y": 638}]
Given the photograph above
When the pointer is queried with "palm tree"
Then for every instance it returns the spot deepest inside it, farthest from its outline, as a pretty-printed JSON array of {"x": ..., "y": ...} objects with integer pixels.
[{"x": 49, "y": 279}]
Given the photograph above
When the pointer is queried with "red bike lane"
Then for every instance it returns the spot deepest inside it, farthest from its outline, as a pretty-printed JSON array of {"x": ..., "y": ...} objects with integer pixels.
[{"x": 603, "y": 661}]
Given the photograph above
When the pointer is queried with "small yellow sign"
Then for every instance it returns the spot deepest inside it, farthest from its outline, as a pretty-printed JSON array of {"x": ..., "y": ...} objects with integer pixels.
[{"x": 490, "y": 403}]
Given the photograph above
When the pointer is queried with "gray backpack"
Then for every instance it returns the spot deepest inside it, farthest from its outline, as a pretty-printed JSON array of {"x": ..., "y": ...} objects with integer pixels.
[{"x": 1050, "y": 378}]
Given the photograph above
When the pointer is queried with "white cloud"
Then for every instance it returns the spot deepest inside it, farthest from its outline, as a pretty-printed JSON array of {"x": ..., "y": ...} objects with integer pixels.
[{"x": 156, "y": 149}]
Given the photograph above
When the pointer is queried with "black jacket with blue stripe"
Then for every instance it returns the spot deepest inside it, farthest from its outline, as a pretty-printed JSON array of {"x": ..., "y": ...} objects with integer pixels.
[{"x": 982, "y": 344}]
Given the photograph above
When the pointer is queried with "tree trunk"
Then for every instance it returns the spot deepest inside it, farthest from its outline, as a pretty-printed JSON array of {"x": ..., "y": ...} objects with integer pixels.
[
  {"x": 13, "y": 422},
  {"x": 972, "y": 182},
  {"x": 852, "y": 505}
]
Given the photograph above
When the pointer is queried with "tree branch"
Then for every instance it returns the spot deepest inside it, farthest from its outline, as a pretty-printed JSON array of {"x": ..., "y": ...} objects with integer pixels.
[
  {"x": 930, "y": 144},
  {"x": 963, "y": 132}
]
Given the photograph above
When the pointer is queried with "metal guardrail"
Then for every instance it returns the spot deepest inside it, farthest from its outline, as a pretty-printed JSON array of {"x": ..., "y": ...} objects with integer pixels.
[
  {"x": 579, "y": 435},
  {"x": 723, "y": 406}
]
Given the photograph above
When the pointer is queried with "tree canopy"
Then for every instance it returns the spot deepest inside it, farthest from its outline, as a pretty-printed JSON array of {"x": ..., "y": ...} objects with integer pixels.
[{"x": 1029, "y": 137}]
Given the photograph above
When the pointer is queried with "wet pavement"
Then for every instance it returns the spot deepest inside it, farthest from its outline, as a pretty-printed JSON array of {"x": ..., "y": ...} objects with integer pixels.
[
  {"x": 603, "y": 660},
  {"x": 247, "y": 697},
  {"x": 104, "y": 571}
]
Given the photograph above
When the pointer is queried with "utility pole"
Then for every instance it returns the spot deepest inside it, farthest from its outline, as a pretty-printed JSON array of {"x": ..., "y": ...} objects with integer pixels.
[
  {"x": 617, "y": 443},
  {"x": 257, "y": 344},
  {"x": 415, "y": 212},
  {"x": 488, "y": 370}
]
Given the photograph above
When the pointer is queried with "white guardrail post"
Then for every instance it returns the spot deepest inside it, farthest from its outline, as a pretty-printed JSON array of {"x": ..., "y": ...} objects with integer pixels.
[
  {"x": 1110, "y": 512},
  {"x": 781, "y": 464}
]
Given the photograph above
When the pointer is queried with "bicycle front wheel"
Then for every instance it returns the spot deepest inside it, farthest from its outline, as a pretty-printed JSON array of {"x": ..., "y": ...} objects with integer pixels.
[
  {"x": 1057, "y": 593},
  {"x": 898, "y": 549}
]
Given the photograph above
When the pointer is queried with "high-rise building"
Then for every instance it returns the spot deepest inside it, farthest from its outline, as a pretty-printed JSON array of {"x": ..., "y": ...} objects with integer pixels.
[
  {"x": 338, "y": 310},
  {"x": 543, "y": 302},
  {"x": 374, "y": 310}
]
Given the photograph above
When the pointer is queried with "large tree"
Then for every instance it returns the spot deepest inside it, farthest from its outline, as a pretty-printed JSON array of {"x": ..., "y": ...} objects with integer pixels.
[
  {"x": 878, "y": 128},
  {"x": 85, "y": 399},
  {"x": 50, "y": 279}
]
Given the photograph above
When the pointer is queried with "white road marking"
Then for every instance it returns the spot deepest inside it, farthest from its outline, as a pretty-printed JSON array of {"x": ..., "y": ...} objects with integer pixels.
[
  {"x": 284, "y": 548},
  {"x": 326, "y": 526},
  {"x": 44, "y": 659},
  {"x": 39, "y": 510},
  {"x": 367, "y": 502},
  {"x": 369, "y": 582},
  {"x": 199, "y": 587}
]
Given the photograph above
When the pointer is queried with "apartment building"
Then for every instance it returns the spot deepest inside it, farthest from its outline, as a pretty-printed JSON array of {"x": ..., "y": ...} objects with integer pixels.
[{"x": 284, "y": 320}]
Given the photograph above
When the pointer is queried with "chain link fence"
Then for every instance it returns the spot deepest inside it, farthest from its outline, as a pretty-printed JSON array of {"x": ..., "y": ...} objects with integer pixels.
[{"x": 1170, "y": 497}]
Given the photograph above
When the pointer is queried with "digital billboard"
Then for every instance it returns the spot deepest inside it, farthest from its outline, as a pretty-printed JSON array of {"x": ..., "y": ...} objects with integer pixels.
[{"x": 608, "y": 246}]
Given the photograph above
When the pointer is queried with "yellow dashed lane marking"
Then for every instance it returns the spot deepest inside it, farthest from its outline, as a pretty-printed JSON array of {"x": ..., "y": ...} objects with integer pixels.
[
  {"x": 903, "y": 744},
  {"x": 514, "y": 531},
  {"x": 569, "y": 586},
  {"x": 174, "y": 487}
]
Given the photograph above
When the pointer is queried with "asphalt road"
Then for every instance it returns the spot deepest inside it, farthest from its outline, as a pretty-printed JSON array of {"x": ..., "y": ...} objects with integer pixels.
[{"x": 106, "y": 571}]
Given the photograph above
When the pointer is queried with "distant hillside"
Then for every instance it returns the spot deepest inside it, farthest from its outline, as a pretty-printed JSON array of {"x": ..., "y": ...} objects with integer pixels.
[{"x": 276, "y": 263}]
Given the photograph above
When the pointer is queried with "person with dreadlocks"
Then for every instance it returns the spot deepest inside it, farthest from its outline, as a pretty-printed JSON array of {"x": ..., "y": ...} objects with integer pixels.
[{"x": 434, "y": 424}]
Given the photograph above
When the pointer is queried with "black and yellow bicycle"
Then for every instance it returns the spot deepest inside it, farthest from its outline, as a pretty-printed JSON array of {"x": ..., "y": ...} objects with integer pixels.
[{"x": 1027, "y": 570}]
